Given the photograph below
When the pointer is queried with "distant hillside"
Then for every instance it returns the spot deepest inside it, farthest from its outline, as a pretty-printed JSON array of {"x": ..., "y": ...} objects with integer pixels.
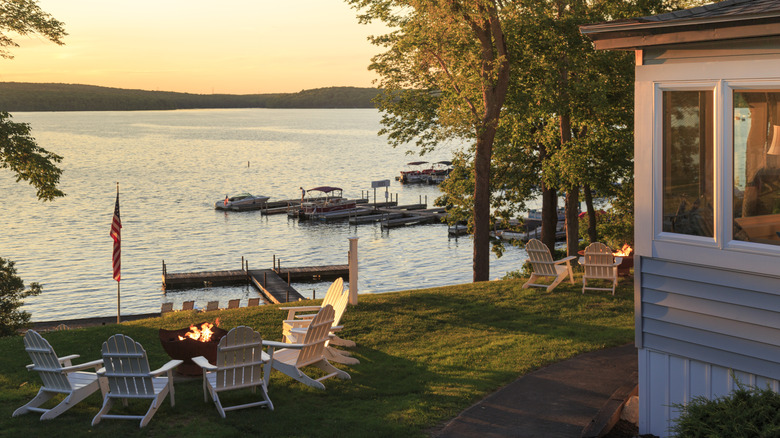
[{"x": 23, "y": 96}]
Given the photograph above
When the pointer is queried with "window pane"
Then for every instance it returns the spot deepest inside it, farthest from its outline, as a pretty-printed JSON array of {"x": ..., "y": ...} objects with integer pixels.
[
  {"x": 688, "y": 163},
  {"x": 757, "y": 166}
]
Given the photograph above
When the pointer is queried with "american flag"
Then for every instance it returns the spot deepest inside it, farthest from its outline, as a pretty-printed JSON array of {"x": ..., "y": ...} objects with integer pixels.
[{"x": 116, "y": 226}]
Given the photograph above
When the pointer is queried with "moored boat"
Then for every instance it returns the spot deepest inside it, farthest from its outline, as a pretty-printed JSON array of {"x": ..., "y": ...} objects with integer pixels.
[
  {"x": 414, "y": 172},
  {"x": 323, "y": 200},
  {"x": 241, "y": 201}
]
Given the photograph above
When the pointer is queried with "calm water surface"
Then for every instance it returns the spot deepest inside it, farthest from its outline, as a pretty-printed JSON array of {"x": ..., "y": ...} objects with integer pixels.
[{"x": 172, "y": 166}]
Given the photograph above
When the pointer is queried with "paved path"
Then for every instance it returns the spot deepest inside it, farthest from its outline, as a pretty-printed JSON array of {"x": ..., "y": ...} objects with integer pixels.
[{"x": 556, "y": 401}]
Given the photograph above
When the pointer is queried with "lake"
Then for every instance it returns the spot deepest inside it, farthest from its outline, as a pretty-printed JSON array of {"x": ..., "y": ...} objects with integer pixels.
[{"x": 172, "y": 166}]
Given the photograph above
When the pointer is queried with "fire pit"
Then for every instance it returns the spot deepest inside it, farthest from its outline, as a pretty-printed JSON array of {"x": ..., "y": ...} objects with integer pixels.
[
  {"x": 624, "y": 268},
  {"x": 196, "y": 340}
]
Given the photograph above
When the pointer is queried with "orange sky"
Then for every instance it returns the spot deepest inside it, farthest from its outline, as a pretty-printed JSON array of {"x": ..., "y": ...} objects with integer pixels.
[{"x": 198, "y": 46}]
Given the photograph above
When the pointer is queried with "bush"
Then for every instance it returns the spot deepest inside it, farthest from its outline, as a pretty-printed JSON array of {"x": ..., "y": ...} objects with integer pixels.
[
  {"x": 746, "y": 412},
  {"x": 12, "y": 293}
]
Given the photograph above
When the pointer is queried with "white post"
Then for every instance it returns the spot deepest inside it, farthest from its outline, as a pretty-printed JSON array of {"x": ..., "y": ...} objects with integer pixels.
[{"x": 352, "y": 257}]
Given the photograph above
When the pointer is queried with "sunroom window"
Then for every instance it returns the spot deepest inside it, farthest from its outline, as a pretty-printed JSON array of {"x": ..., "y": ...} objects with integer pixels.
[
  {"x": 757, "y": 166},
  {"x": 688, "y": 162}
]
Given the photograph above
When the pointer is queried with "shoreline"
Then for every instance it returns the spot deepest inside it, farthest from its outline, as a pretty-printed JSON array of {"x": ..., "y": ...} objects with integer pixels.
[{"x": 88, "y": 322}]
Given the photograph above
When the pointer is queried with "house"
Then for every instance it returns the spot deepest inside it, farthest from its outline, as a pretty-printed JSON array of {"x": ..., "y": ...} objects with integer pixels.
[{"x": 707, "y": 200}]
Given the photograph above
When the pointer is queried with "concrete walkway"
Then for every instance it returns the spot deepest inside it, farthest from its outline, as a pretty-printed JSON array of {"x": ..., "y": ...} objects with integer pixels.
[{"x": 559, "y": 400}]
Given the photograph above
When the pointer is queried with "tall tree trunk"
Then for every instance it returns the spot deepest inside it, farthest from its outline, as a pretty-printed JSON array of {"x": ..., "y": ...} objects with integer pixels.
[
  {"x": 572, "y": 221},
  {"x": 593, "y": 235},
  {"x": 549, "y": 215},
  {"x": 481, "y": 250}
]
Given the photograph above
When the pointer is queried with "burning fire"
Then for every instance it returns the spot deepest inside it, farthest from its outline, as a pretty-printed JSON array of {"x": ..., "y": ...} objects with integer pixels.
[
  {"x": 625, "y": 251},
  {"x": 202, "y": 334}
]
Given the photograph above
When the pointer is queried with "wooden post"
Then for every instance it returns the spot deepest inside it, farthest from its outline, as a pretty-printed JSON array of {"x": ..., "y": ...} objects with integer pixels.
[
  {"x": 314, "y": 294},
  {"x": 352, "y": 257},
  {"x": 273, "y": 265},
  {"x": 288, "y": 279},
  {"x": 265, "y": 280}
]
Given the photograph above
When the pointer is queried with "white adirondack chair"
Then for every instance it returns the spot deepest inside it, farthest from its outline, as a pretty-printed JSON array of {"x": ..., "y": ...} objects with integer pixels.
[
  {"x": 241, "y": 363},
  {"x": 599, "y": 264},
  {"x": 544, "y": 266},
  {"x": 59, "y": 376},
  {"x": 335, "y": 291},
  {"x": 127, "y": 369},
  {"x": 295, "y": 330},
  {"x": 290, "y": 358}
]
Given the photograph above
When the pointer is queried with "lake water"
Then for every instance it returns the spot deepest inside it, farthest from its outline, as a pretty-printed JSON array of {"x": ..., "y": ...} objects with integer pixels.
[{"x": 172, "y": 166}]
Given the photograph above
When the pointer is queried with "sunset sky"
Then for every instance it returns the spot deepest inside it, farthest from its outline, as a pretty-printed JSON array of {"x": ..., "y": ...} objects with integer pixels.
[{"x": 199, "y": 46}]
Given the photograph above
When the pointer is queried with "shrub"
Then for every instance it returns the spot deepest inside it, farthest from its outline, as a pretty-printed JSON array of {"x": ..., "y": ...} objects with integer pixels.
[
  {"x": 12, "y": 293},
  {"x": 746, "y": 412}
]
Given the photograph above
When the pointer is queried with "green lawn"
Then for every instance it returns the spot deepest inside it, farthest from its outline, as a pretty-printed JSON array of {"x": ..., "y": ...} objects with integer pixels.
[{"x": 425, "y": 356}]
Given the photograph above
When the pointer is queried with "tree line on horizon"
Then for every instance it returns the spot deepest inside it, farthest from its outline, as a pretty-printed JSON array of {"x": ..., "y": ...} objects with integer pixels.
[{"x": 24, "y": 96}]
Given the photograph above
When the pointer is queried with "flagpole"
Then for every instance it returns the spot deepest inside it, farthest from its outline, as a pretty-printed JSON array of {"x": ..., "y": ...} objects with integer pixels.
[{"x": 118, "y": 316}]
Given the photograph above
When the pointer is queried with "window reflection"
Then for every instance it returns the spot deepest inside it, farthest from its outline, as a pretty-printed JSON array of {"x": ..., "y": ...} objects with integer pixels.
[
  {"x": 757, "y": 166},
  {"x": 688, "y": 162}
]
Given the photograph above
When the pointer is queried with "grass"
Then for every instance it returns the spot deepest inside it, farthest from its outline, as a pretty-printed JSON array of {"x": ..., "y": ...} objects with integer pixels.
[{"x": 425, "y": 356}]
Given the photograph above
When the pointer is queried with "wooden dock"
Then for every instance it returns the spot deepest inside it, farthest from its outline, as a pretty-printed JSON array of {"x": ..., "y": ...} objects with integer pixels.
[
  {"x": 272, "y": 283},
  {"x": 275, "y": 290}
]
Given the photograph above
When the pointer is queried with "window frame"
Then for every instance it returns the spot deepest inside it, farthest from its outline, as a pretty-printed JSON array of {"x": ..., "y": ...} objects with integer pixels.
[{"x": 658, "y": 164}]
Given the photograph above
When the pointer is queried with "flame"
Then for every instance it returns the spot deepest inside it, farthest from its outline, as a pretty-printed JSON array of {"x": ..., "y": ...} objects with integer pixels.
[
  {"x": 202, "y": 334},
  {"x": 625, "y": 251}
]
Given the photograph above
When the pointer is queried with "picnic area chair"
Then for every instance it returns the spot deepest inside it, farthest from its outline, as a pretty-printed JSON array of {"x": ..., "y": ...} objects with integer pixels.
[
  {"x": 335, "y": 291},
  {"x": 599, "y": 264},
  {"x": 166, "y": 307},
  {"x": 544, "y": 266},
  {"x": 188, "y": 305},
  {"x": 126, "y": 367},
  {"x": 212, "y": 305},
  {"x": 295, "y": 330},
  {"x": 290, "y": 358},
  {"x": 234, "y": 304},
  {"x": 241, "y": 363},
  {"x": 253, "y": 302},
  {"x": 59, "y": 376}
]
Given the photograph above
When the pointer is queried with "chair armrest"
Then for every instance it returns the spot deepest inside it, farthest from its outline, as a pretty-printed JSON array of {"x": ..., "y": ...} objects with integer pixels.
[
  {"x": 301, "y": 308},
  {"x": 275, "y": 344},
  {"x": 618, "y": 260},
  {"x": 291, "y": 311},
  {"x": 204, "y": 363},
  {"x": 167, "y": 367},
  {"x": 65, "y": 361},
  {"x": 565, "y": 259},
  {"x": 96, "y": 364}
]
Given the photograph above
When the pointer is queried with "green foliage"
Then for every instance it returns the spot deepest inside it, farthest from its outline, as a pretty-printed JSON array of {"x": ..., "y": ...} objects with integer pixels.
[
  {"x": 747, "y": 412},
  {"x": 20, "y": 153},
  {"x": 19, "y": 96},
  {"x": 12, "y": 294},
  {"x": 425, "y": 356},
  {"x": 25, "y": 17}
]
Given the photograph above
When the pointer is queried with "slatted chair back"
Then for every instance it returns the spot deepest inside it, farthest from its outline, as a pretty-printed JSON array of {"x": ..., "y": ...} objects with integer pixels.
[
  {"x": 212, "y": 305},
  {"x": 166, "y": 307},
  {"x": 540, "y": 258},
  {"x": 234, "y": 304},
  {"x": 188, "y": 305},
  {"x": 599, "y": 261},
  {"x": 339, "y": 308},
  {"x": 335, "y": 291},
  {"x": 239, "y": 359},
  {"x": 46, "y": 363},
  {"x": 316, "y": 336},
  {"x": 127, "y": 368},
  {"x": 253, "y": 302}
]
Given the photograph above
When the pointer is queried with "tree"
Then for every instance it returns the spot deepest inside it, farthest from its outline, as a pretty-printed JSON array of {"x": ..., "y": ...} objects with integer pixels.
[
  {"x": 445, "y": 74},
  {"x": 20, "y": 153}
]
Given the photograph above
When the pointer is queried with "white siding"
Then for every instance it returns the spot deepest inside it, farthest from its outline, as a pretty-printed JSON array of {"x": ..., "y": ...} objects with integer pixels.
[{"x": 666, "y": 379}]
